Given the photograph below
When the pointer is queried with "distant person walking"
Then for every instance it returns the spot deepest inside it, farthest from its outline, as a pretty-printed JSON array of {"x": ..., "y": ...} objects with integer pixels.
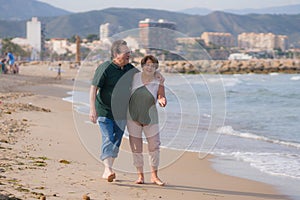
[
  {"x": 11, "y": 61},
  {"x": 3, "y": 67},
  {"x": 58, "y": 76}
]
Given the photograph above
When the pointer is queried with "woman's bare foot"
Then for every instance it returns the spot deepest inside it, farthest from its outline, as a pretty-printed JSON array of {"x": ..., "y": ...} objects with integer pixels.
[
  {"x": 140, "y": 180},
  {"x": 157, "y": 181}
]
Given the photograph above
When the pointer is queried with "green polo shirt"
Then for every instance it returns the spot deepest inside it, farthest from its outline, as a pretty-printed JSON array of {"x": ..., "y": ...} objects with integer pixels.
[{"x": 114, "y": 89}]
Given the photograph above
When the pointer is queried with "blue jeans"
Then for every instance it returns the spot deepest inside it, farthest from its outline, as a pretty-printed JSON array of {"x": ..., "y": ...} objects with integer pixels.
[{"x": 112, "y": 133}]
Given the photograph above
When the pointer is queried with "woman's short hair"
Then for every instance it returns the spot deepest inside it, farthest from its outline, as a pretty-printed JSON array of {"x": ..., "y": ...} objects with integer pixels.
[{"x": 149, "y": 57}]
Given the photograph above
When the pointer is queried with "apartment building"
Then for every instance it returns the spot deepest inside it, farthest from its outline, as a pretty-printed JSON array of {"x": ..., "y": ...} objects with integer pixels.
[
  {"x": 262, "y": 41},
  {"x": 157, "y": 34},
  {"x": 218, "y": 39}
]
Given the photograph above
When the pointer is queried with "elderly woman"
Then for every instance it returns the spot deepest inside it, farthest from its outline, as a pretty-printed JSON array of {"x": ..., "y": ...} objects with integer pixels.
[{"x": 143, "y": 117}]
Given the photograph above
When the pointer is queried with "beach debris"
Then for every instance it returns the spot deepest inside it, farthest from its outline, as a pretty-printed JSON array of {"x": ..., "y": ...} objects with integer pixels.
[
  {"x": 40, "y": 163},
  {"x": 85, "y": 197},
  {"x": 38, "y": 195},
  {"x": 42, "y": 198},
  {"x": 11, "y": 129},
  {"x": 12, "y": 96},
  {"x": 3, "y": 141},
  {"x": 9, "y": 108},
  {"x": 8, "y": 112},
  {"x": 30, "y": 107},
  {"x": 7, "y": 196},
  {"x": 65, "y": 162}
]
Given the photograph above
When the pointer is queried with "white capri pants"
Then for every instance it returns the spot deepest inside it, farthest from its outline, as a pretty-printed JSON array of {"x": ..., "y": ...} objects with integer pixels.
[{"x": 151, "y": 133}]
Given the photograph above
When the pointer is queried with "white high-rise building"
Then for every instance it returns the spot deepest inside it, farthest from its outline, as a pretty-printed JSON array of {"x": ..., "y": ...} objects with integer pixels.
[
  {"x": 106, "y": 31},
  {"x": 34, "y": 37}
]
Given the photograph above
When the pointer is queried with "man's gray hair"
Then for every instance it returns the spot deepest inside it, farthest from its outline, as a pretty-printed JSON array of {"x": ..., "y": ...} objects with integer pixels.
[{"x": 115, "y": 47}]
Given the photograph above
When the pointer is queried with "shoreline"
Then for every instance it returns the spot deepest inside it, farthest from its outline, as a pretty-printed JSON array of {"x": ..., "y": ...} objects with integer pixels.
[{"x": 56, "y": 164}]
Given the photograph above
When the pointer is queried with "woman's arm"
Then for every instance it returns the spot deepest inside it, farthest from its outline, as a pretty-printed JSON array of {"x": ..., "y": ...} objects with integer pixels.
[{"x": 161, "y": 97}]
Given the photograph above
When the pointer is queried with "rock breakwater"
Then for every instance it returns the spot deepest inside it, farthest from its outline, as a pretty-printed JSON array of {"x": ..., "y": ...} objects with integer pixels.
[{"x": 232, "y": 66}]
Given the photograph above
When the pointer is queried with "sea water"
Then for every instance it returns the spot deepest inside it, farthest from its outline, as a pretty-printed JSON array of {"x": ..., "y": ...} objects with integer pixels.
[{"x": 250, "y": 122}]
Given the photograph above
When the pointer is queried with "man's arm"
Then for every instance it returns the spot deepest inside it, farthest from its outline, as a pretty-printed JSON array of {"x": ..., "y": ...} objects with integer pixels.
[{"x": 93, "y": 114}]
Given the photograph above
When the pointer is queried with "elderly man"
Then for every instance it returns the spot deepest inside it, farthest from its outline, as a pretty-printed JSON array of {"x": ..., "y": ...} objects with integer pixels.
[{"x": 112, "y": 127}]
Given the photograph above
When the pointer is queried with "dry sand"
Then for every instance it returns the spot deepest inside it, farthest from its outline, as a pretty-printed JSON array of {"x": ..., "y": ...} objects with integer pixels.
[{"x": 42, "y": 155}]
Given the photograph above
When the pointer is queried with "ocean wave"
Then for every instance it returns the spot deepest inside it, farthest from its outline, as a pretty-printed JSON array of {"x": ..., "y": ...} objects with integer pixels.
[
  {"x": 228, "y": 130},
  {"x": 276, "y": 164},
  {"x": 295, "y": 78},
  {"x": 227, "y": 82},
  {"x": 274, "y": 74}
]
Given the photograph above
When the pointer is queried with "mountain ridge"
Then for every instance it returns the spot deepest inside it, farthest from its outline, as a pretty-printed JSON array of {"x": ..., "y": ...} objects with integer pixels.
[
  {"x": 27, "y": 9},
  {"x": 86, "y": 23},
  {"x": 289, "y": 9}
]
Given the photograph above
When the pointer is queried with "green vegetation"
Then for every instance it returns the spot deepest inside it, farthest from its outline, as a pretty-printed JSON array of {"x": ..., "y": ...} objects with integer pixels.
[
  {"x": 8, "y": 46},
  {"x": 92, "y": 37}
]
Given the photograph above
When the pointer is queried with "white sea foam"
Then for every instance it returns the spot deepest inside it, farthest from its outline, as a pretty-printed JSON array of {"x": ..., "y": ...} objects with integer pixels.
[
  {"x": 274, "y": 74},
  {"x": 295, "y": 78},
  {"x": 227, "y": 82},
  {"x": 206, "y": 115},
  {"x": 277, "y": 164},
  {"x": 228, "y": 130}
]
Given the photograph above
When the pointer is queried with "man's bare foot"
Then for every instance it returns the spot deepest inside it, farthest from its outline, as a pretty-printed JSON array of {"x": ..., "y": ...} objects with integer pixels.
[{"x": 109, "y": 177}]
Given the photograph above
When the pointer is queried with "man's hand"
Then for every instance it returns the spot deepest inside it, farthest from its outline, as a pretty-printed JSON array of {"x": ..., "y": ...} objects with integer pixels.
[{"x": 93, "y": 116}]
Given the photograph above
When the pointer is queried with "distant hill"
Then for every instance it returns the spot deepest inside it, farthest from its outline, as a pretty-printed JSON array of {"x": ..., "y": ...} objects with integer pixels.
[
  {"x": 290, "y": 10},
  {"x": 192, "y": 25},
  {"x": 196, "y": 11},
  {"x": 25, "y": 9}
]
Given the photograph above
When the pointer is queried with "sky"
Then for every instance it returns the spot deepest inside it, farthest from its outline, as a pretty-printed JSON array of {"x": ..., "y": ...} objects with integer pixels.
[{"x": 171, "y": 5}]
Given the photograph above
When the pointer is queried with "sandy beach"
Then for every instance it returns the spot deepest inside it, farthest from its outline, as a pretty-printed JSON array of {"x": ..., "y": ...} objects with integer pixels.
[{"x": 42, "y": 154}]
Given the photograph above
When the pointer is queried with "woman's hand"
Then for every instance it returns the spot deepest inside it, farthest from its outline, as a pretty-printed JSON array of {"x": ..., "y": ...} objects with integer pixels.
[{"x": 162, "y": 101}]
